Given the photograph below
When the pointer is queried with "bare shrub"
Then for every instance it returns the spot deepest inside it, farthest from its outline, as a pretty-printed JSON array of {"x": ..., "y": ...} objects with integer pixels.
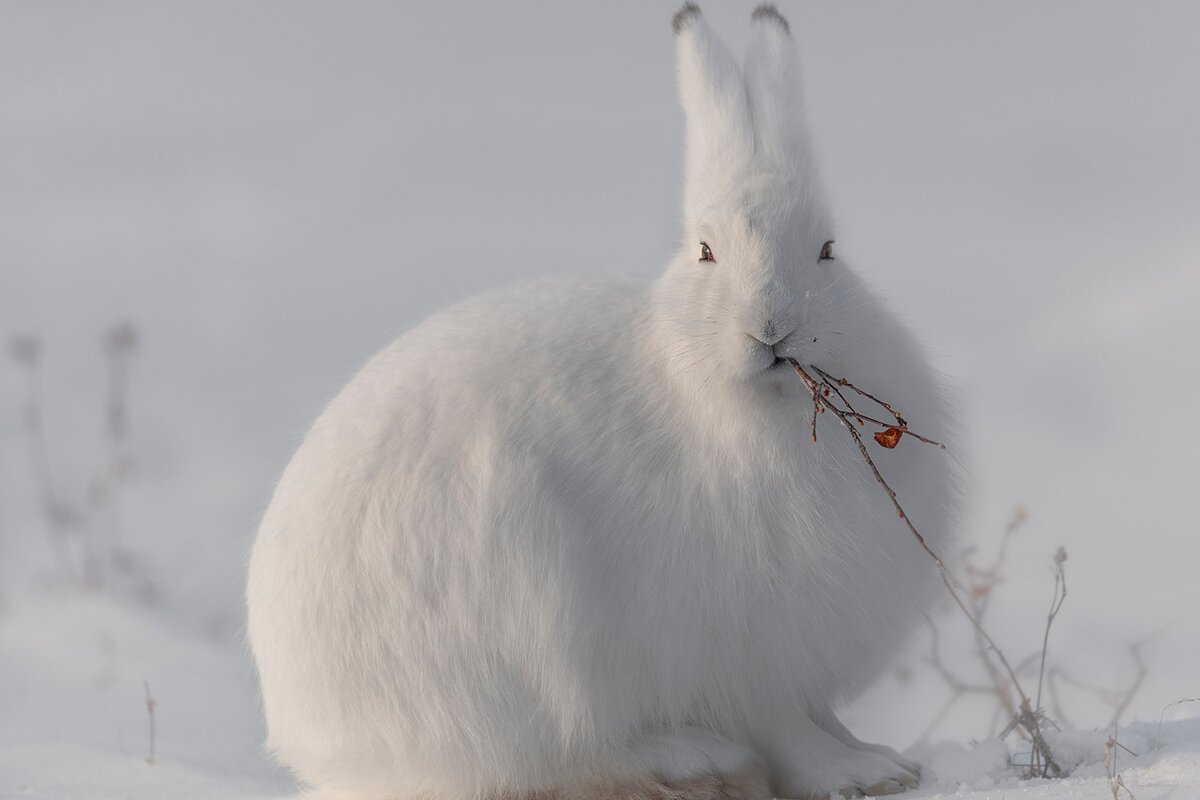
[
  {"x": 85, "y": 529},
  {"x": 983, "y": 579}
]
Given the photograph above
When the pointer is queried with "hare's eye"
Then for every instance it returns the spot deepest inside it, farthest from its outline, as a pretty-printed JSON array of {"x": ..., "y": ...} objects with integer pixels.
[
  {"x": 826, "y": 251},
  {"x": 706, "y": 252}
]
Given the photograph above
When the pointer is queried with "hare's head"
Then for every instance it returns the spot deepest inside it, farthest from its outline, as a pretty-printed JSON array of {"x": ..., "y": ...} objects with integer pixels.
[{"x": 757, "y": 278}]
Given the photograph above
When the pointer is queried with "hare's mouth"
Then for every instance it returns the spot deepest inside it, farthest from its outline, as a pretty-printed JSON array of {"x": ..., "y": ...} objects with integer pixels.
[{"x": 777, "y": 363}]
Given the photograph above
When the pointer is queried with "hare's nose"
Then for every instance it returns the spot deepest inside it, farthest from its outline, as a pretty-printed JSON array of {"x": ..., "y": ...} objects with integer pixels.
[{"x": 769, "y": 334}]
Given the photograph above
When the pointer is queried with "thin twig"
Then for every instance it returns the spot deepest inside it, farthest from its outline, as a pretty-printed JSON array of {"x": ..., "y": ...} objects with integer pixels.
[
  {"x": 1056, "y": 604},
  {"x": 1026, "y": 716},
  {"x": 1126, "y": 697},
  {"x": 959, "y": 688},
  {"x": 151, "y": 704},
  {"x": 112, "y": 473},
  {"x": 979, "y": 591},
  {"x": 1116, "y": 782},
  {"x": 60, "y": 517},
  {"x": 934, "y": 659},
  {"x": 1119, "y": 698},
  {"x": 1162, "y": 716},
  {"x": 1056, "y": 703},
  {"x": 833, "y": 383},
  {"x": 843, "y": 382},
  {"x": 86, "y": 536}
]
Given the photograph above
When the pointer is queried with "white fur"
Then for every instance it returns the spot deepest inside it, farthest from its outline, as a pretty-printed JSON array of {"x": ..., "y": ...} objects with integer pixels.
[{"x": 573, "y": 532}]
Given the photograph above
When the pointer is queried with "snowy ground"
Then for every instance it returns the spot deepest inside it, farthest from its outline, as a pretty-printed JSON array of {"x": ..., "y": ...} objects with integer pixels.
[
  {"x": 76, "y": 724},
  {"x": 75, "y": 718},
  {"x": 272, "y": 191}
]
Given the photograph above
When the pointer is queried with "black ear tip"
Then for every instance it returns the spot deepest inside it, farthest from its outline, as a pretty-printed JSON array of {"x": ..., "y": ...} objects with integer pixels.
[
  {"x": 684, "y": 15},
  {"x": 769, "y": 13}
]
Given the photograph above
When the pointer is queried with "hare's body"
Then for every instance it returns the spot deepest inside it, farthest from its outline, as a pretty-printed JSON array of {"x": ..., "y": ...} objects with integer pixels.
[{"x": 552, "y": 538}]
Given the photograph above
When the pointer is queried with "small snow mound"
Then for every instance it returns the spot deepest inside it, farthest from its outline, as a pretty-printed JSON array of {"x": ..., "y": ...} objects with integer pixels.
[
  {"x": 953, "y": 765},
  {"x": 1151, "y": 762}
]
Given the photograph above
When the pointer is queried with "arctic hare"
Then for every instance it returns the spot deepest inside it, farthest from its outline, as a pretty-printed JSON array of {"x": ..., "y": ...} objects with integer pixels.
[{"x": 576, "y": 539}]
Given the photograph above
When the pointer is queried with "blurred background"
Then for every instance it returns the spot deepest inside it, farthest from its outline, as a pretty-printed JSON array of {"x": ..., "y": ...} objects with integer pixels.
[{"x": 211, "y": 213}]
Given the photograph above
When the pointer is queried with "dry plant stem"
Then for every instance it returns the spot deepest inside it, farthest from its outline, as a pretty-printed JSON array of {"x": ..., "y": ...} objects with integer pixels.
[
  {"x": 1116, "y": 782},
  {"x": 112, "y": 472},
  {"x": 1056, "y": 703},
  {"x": 959, "y": 688},
  {"x": 1125, "y": 698},
  {"x": 1163, "y": 715},
  {"x": 843, "y": 382},
  {"x": 982, "y": 580},
  {"x": 151, "y": 704},
  {"x": 54, "y": 510},
  {"x": 1001, "y": 688},
  {"x": 1119, "y": 784},
  {"x": 85, "y": 536},
  {"x": 1119, "y": 699},
  {"x": 957, "y": 684},
  {"x": 1060, "y": 597},
  {"x": 981, "y": 583},
  {"x": 991, "y": 576},
  {"x": 1026, "y": 717}
]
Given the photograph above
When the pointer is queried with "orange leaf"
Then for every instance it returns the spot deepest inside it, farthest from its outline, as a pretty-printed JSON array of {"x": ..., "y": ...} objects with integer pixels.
[{"x": 889, "y": 438}]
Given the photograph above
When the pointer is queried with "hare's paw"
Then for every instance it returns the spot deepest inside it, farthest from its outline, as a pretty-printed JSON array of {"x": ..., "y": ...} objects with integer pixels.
[
  {"x": 833, "y": 726},
  {"x": 680, "y": 756},
  {"x": 906, "y": 764},
  {"x": 853, "y": 773},
  {"x": 808, "y": 760},
  {"x": 684, "y": 15}
]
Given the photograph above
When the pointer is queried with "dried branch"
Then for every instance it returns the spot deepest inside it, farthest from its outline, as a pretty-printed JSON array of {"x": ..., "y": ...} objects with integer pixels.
[
  {"x": 833, "y": 383},
  {"x": 1043, "y": 762},
  {"x": 61, "y": 518},
  {"x": 1118, "y": 698},
  {"x": 1052, "y": 683},
  {"x": 980, "y": 586},
  {"x": 116, "y": 463},
  {"x": 1126, "y": 697},
  {"x": 151, "y": 705},
  {"x": 959, "y": 688},
  {"x": 986, "y": 579},
  {"x": 86, "y": 535},
  {"x": 934, "y": 659}
]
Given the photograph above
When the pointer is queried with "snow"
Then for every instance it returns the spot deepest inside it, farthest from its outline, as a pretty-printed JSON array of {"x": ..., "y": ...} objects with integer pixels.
[
  {"x": 74, "y": 670},
  {"x": 76, "y": 724},
  {"x": 273, "y": 191}
]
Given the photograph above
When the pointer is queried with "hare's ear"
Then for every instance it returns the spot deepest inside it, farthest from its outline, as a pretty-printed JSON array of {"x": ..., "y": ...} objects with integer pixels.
[
  {"x": 713, "y": 92},
  {"x": 773, "y": 86}
]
